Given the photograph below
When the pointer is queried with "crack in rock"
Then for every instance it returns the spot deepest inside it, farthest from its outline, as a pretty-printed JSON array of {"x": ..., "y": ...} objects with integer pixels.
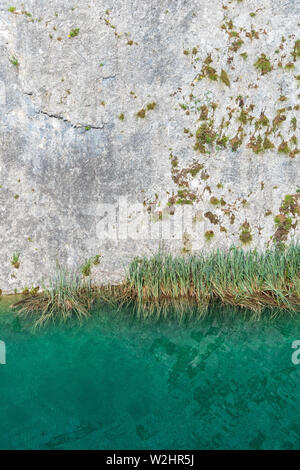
[
  {"x": 61, "y": 118},
  {"x": 76, "y": 126}
]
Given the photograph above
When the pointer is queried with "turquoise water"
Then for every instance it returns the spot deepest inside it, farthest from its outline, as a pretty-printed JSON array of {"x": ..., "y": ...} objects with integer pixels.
[{"x": 117, "y": 383}]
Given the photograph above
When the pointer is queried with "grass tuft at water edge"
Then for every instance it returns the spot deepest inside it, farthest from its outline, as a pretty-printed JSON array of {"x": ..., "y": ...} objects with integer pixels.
[{"x": 186, "y": 286}]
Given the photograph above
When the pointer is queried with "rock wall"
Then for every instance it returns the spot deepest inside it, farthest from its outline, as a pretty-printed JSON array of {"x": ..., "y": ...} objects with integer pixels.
[{"x": 129, "y": 125}]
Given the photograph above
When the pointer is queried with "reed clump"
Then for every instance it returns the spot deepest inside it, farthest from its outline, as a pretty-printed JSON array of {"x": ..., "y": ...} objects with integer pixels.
[
  {"x": 67, "y": 296},
  {"x": 249, "y": 280}
]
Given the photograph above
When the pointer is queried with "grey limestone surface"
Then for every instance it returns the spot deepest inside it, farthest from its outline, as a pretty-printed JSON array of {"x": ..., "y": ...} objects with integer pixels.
[{"x": 221, "y": 153}]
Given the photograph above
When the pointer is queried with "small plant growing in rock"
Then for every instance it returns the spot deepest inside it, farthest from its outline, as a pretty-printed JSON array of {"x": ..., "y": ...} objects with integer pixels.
[
  {"x": 15, "y": 260},
  {"x": 12, "y": 9},
  {"x": 244, "y": 55},
  {"x": 96, "y": 260},
  {"x": 263, "y": 64},
  {"x": 73, "y": 33},
  {"x": 205, "y": 134},
  {"x": 289, "y": 66},
  {"x": 151, "y": 106},
  {"x": 13, "y": 60},
  {"x": 209, "y": 235},
  {"x": 283, "y": 221},
  {"x": 141, "y": 113},
  {"x": 215, "y": 201},
  {"x": 296, "y": 51},
  {"x": 224, "y": 78},
  {"x": 268, "y": 145},
  {"x": 33, "y": 291},
  {"x": 284, "y": 148},
  {"x": 86, "y": 268},
  {"x": 294, "y": 123},
  {"x": 246, "y": 236}
]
